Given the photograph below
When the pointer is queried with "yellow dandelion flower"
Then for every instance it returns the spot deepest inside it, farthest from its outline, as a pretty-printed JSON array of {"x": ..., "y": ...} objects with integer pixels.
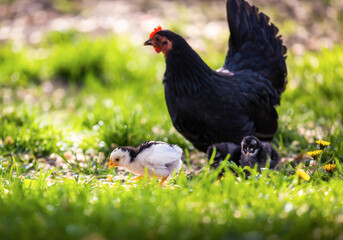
[
  {"x": 302, "y": 174},
  {"x": 109, "y": 178},
  {"x": 314, "y": 153},
  {"x": 322, "y": 143},
  {"x": 329, "y": 167}
]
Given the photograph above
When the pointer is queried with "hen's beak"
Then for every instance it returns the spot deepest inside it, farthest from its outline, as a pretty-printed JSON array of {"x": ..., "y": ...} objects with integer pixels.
[{"x": 148, "y": 42}]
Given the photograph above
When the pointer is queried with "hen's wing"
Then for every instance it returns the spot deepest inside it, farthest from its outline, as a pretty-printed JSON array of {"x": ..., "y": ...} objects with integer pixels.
[
  {"x": 246, "y": 108},
  {"x": 254, "y": 44},
  {"x": 241, "y": 106}
]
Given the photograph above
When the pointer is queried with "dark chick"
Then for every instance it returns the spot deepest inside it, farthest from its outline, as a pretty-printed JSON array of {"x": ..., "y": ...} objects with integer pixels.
[
  {"x": 238, "y": 100},
  {"x": 254, "y": 151},
  {"x": 221, "y": 152}
]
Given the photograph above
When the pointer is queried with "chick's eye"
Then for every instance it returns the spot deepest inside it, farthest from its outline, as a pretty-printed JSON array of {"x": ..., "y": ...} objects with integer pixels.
[{"x": 117, "y": 159}]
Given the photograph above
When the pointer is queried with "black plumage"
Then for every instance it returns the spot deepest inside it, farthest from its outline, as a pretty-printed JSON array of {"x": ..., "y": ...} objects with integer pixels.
[
  {"x": 254, "y": 151},
  {"x": 221, "y": 152},
  {"x": 208, "y": 106}
]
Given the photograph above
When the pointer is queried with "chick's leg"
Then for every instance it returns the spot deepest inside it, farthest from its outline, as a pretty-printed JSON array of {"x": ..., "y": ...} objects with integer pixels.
[
  {"x": 163, "y": 180},
  {"x": 137, "y": 178}
]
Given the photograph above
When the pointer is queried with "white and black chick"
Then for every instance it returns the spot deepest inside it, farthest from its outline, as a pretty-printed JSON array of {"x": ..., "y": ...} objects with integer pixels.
[{"x": 160, "y": 158}]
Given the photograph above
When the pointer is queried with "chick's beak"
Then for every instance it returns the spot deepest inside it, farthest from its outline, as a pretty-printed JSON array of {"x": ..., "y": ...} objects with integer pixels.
[
  {"x": 148, "y": 42},
  {"x": 112, "y": 164},
  {"x": 247, "y": 153}
]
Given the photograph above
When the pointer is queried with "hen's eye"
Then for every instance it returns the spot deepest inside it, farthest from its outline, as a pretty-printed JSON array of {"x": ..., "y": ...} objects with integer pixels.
[
  {"x": 157, "y": 39},
  {"x": 117, "y": 159}
]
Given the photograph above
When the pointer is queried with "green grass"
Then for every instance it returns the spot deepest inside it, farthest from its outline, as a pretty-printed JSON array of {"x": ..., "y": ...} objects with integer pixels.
[
  {"x": 22, "y": 133},
  {"x": 261, "y": 207},
  {"x": 77, "y": 95}
]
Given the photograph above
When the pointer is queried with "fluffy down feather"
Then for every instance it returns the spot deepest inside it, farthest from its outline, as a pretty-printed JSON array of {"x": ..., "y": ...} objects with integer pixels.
[{"x": 161, "y": 159}]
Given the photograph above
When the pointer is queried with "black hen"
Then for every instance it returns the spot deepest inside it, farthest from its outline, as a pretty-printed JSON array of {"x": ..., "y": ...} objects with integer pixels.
[{"x": 238, "y": 100}]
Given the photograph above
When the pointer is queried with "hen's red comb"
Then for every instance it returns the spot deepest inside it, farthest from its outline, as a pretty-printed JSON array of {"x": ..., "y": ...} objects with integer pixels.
[{"x": 156, "y": 29}]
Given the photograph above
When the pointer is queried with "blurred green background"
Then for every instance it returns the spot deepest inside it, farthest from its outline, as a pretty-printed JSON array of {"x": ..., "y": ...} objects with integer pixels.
[{"x": 75, "y": 75}]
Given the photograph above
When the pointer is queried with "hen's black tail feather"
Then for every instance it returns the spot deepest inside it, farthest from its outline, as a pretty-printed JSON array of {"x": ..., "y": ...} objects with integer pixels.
[{"x": 254, "y": 44}]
